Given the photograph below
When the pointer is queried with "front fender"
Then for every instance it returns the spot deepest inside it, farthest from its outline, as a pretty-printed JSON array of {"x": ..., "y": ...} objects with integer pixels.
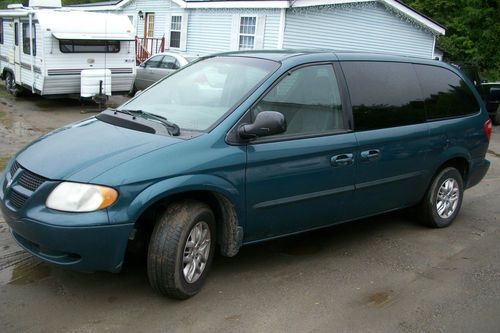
[{"x": 182, "y": 184}]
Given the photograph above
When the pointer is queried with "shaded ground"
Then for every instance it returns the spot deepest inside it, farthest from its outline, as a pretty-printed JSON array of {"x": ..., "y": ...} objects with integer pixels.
[{"x": 384, "y": 274}]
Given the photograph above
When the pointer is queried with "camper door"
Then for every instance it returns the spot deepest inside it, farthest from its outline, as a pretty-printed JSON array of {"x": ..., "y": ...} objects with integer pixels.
[{"x": 17, "y": 50}]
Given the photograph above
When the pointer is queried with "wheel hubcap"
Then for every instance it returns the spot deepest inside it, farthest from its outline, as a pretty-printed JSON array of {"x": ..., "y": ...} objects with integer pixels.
[
  {"x": 9, "y": 82},
  {"x": 196, "y": 252},
  {"x": 447, "y": 198}
]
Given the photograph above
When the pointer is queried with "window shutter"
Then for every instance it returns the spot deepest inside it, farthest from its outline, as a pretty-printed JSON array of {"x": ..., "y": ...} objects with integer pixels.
[
  {"x": 168, "y": 21},
  {"x": 184, "y": 31},
  {"x": 259, "y": 32},
  {"x": 235, "y": 33}
]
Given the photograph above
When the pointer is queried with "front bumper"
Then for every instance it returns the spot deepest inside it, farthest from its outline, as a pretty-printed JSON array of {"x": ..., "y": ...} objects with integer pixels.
[
  {"x": 80, "y": 241},
  {"x": 90, "y": 248}
]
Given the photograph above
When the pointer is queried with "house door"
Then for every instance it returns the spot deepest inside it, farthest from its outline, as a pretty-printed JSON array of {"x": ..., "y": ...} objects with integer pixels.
[
  {"x": 149, "y": 32},
  {"x": 17, "y": 50}
]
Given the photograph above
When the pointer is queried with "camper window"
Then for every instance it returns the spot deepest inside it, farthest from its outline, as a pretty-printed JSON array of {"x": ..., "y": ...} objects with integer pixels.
[
  {"x": 1, "y": 31},
  {"x": 26, "y": 39},
  {"x": 16, "y": 34},
  {"x": 89, "y": 46}
]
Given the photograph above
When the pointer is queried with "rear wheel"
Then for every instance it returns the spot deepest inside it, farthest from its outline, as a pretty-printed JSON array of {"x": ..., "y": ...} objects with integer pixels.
[
  {"x": 443, "y": 200},
  {"x": 10, "y": 84},
  {"x": 181, "y": 249},
  {"x": 496, "y": 118}
]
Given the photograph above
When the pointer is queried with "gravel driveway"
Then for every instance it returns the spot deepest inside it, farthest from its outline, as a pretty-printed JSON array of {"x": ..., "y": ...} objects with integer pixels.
[{"x": 383, "y": 274}]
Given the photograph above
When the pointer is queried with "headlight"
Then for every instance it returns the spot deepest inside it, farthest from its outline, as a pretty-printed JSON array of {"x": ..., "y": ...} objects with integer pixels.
[{"x": 75, "y": 197}]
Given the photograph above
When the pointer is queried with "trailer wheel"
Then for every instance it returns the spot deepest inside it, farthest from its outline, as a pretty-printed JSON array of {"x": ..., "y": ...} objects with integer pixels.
[{"x": 10, "y": 84}]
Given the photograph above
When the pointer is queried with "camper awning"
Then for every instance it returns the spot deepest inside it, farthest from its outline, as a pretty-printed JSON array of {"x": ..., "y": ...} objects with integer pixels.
[{"x": 92, "y": 36}]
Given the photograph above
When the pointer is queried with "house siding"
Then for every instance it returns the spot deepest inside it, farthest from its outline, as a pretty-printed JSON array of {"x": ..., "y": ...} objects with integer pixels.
[
  {"x": 209, "y": 30},
  {"x": 161, "y": 8},
  {"x": 369, "y": 27}
]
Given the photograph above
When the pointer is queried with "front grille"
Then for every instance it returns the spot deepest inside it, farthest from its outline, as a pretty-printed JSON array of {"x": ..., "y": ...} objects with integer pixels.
[
  {"x": 14, "y": 168},
  {"x": 17, "y": 199},
  {"x": 30, "y": 181}
]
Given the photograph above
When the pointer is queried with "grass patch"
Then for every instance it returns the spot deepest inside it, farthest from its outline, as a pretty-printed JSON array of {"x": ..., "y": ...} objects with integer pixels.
[{"x": 3, "y": 162}]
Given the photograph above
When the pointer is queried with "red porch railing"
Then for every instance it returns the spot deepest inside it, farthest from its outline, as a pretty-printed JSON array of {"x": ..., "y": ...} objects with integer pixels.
[{"x": 146, "y": 47}]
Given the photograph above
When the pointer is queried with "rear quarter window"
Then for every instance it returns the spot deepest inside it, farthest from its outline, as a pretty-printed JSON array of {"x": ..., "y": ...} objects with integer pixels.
[
  {"x": 383, "y": 94},
  {"x": 445, "y": 93}
]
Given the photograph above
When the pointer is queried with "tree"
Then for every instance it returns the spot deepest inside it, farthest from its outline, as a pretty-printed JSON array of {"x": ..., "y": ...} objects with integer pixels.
[{"x": 472, "y": 31}]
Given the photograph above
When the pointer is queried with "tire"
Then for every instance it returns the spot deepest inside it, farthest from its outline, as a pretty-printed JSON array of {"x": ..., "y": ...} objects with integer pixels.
[
  {"x": 496, "y": 118},
  {"x": 132, "y": 91},
  {"x": 10, "y": 84},
  {"x": 450, "y": 183},
  {"x": 168, "y": 245}
]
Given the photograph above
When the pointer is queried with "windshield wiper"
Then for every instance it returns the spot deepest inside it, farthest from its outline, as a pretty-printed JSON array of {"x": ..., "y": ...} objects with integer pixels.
[{"x": 172, "y": 128}]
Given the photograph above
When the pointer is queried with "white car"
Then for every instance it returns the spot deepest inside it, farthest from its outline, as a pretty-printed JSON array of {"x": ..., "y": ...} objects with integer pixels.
[{"x": 158, "y": 66}]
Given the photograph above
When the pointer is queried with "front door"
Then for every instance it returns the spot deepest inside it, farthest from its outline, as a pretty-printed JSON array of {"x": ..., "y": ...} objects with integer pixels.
[
  {"x": 300, "y": 179},
  {"x": 17, "y": 50}
]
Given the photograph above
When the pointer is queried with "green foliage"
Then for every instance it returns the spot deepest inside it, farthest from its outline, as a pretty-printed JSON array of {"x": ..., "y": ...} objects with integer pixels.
[{"x": 472, "y": 31}]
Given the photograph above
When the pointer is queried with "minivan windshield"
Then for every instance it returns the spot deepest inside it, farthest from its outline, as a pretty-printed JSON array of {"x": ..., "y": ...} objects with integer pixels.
[{"x": 196, "y": 96}]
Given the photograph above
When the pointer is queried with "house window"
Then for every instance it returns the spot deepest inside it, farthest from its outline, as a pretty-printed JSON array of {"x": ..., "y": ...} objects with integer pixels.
[
  {"x": 175, "y": 31},
  {"x": 150, "y": 25},
  {"x": 247, "y": 32},
  {"x": 26, "y": 39},
  {"x": 1, "y": 31},
  {"x": 89, "y": 46}
]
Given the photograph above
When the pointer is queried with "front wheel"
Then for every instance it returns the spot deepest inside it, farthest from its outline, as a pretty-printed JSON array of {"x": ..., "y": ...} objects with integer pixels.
[
  {"x": 181, "y": 249},
  {"x": 443, "y": 200}
]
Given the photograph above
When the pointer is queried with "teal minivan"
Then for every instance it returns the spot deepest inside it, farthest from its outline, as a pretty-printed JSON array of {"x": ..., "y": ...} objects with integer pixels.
[{"x": 243, "y": 147}]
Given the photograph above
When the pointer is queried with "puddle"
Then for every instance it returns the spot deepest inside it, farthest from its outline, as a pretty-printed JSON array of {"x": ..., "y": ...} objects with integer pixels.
[
  {"x": 3, "y": 162},
  {"x": 20, "y": 268},
  {"x": 16, "y": 265},
  {"x": 21, "y": 129}
]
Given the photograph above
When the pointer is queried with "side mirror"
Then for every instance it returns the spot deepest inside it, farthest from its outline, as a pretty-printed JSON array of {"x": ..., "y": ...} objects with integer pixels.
[{"x": 266, "y": 123}]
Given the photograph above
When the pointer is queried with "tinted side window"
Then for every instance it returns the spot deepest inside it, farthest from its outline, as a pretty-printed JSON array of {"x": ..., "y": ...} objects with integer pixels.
[
  {"x": 309, "y": 99},
  {"x": 154, "y": 62},
  {"x": 445, "y": 93},
  {"x": 383, "y": 94},
  {"x": 168, "y": 62}
]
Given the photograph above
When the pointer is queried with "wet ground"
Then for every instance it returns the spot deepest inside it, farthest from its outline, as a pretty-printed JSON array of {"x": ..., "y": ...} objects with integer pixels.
[{"x": 384, "y": 274}]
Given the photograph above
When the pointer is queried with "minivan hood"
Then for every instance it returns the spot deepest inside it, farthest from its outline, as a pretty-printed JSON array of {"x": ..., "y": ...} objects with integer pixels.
[{"x": 83, "y": 150}]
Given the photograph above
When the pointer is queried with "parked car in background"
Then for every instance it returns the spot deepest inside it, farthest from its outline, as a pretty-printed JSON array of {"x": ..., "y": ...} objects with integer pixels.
[
  {"x": 157, "y": 67},
  {"x": 491, "y": 96}
]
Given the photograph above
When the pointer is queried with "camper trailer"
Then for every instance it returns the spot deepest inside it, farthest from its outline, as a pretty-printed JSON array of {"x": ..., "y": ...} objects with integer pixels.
[{"x": 53, "y": 51}]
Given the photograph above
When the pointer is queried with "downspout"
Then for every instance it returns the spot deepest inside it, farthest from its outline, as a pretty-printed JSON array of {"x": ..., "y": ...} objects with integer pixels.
[
  {"x": 31, "y": 53},
  {"x": 281, "y": 34}
]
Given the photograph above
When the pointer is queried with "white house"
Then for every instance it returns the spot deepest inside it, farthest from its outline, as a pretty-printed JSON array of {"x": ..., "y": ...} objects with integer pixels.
[{"x": 205, "y": 26}]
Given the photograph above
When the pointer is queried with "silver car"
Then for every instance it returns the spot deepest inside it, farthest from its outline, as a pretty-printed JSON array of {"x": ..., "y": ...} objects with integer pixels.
[{"x": 157, "y": 67}]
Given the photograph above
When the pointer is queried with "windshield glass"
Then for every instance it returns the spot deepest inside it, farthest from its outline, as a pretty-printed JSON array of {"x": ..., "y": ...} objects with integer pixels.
[{"x": 196, "y": 96}]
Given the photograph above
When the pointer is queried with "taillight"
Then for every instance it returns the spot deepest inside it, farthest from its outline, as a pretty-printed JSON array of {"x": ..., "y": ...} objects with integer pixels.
[{"x": 487, "y": 129}]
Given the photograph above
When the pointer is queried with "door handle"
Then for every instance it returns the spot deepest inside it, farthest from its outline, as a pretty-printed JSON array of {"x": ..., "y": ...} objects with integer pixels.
[
  {"x": 342, "y": 160},
  {"x": 370, "y": 155}
]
